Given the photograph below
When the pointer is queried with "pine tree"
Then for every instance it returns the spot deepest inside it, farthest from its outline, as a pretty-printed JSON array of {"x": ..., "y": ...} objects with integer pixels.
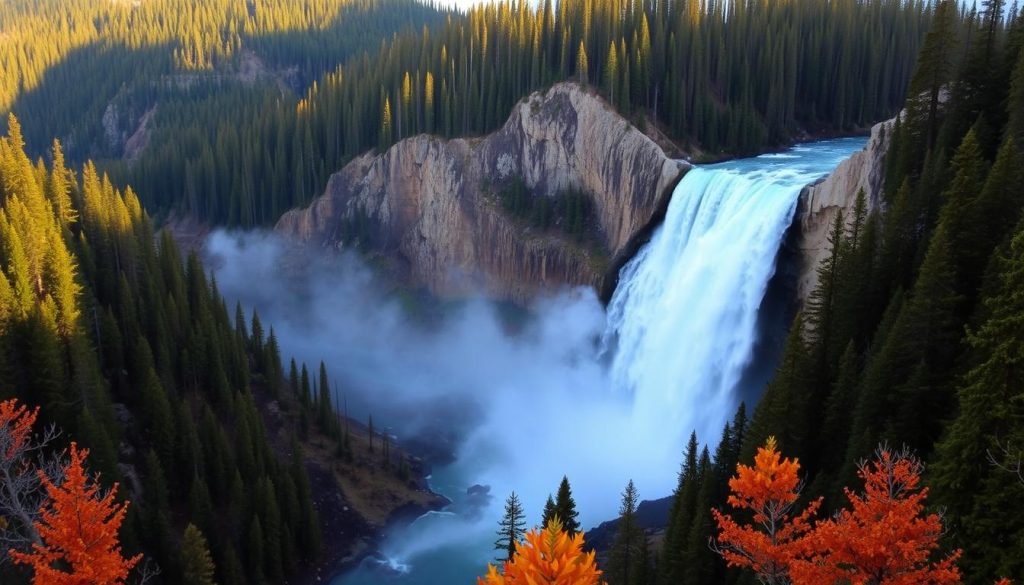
[
  {"x": 581, "y": 64},
  {"x": 991, "y": 402},
  {"x": 611, "y": 76},
  {"x": 240, "y": 327},
  {"x": 959, "y": 215},
  {"x": 200, "y": 504},
  {"x": 386, "y": 125},
  {"x": 305, "y": 394},
  {"x": 645, "y": 573},
  {"x": 254, "y": 550},
  {"x": 625, "y": 552},
  {"x": 841, "y": 402},
  {"x": 197, "y": 566},
  {"x": 59, "y": 190},
  {"x": 1015, "y": 103},
  {"x": 905, "y": 388},
  {"x": 293, "y": 379},
  {"x": 681, "y": 513},
  {"x": 934, "y": 69},
  {"x": 549, "y": 512},
  {"x": 565, "y": 508},
  {"x": 510, "y": 529},
  {"x": 325, "y": 416},
  {"x": 999, "y": 203},
  {"x": 428, "y": 105},
  {"x": 783, "y": 410},
  {"x": 698, "y": 559}
]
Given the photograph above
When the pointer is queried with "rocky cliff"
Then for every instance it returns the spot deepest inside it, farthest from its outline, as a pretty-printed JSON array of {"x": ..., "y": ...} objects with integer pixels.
[
  {"x": 431, "y": 206},
  {"x": 819, "y": 203}
]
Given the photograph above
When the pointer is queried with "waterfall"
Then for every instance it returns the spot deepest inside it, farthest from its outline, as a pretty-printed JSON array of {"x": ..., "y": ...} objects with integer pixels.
[
  {"x": 681, "y": 333},
  {"x": 683, "y": 322}
]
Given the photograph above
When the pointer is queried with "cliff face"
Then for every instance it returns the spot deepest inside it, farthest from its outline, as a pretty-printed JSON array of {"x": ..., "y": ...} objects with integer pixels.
[
  {"x": 430, "y": 205},
  {"x": 819, "y": 203}
]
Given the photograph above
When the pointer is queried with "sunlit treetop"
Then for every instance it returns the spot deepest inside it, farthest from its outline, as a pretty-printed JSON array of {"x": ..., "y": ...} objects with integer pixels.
[{"x": 548, "y": 556}]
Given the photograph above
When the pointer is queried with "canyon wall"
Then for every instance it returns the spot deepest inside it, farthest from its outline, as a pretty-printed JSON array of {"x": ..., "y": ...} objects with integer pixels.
[
  {"x": 430, "y": 206},
  {"x": 819, "y": 203}
]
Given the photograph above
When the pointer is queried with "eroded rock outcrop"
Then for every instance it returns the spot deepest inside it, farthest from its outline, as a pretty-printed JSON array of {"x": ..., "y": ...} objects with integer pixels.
[
  {"x": 431, "y": 205},
  {"x": 819, "y": 203}
]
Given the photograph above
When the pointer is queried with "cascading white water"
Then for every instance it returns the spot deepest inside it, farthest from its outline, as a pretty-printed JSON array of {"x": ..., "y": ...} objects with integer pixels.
[
  {"x": 683, "y": 320},
  {"x": 685, "y": 312}
]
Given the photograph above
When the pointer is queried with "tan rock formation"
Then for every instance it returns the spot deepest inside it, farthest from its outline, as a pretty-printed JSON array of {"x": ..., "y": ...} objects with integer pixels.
[
  {"x": 819, "y": 203},
  {"x": 430, "y": 205}
]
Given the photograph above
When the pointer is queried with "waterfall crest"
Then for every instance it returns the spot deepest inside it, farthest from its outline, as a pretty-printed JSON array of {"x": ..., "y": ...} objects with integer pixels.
[{"x": 683, "y": 322}]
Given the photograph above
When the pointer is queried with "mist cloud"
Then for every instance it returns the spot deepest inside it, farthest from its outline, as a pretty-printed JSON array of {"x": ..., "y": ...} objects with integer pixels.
[{"x": 527, "y": 404}]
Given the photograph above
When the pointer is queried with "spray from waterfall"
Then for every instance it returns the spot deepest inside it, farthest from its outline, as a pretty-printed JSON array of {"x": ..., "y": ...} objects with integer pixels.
[{"x": 681, "y": 332}]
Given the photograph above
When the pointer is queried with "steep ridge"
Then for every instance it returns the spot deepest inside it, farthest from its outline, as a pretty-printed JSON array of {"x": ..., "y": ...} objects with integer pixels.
[
  {"x": 819, "y": 203},
  {"x": 432, "y": 206}
]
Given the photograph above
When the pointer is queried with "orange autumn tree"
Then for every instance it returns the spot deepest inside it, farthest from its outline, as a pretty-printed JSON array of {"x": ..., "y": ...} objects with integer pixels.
[
  {"x": 15, "y": 427},
  {"x": 78, "y": 527},
  {"x": 884, "y": 538},
  {"x": 769, "y": 489},
  {"x": 549, "y": 556}
]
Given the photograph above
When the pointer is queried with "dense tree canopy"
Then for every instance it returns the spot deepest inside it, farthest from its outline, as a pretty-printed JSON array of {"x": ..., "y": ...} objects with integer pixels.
[
  {"x": 118, "y": 340},
  {"x": 910, "y": 338},
  {"x": 225, "y": 137}
]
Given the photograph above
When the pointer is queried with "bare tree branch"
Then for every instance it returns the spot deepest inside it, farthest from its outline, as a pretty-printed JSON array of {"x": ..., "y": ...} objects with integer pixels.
[
  {"x": 1007, "y": 460},
  {"x": 146, "y": 571},
  {"x": 21, "y": 492}
]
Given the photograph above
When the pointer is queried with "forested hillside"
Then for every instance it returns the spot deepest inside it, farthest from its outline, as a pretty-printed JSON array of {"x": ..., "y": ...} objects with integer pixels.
[
  {"x": 716, "y": 83},
  {"x": 717, "y": 77},
  {"x": 234, "y": 112},
  {"x": 88, "y": 71},
  {"x": 914, "y": 334},
  {"x": 128, "y": 349}
]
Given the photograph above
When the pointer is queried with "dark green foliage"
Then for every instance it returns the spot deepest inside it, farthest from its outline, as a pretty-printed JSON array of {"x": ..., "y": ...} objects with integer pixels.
[
  {"x": 549, "y": 512},
  {"x": 645, "y": 573},
  {"x": 571, "y": 211},
  {"x": 111, "y": 321},
  {"x": 685, "y": 556},
  {"x": 305, "y": 394},
  {"x": 783, "y": 411},
  {"x": 241, "y": 153},
  {"x": 974, "y": 474},
  {"x": 510, "y": 529},
  {"x": 700, "y": 562},
  {"x": 197, "y": 566},
  {"x": 910, "y": 336},
  {"x": 325, "y": 410},
  {"x": 625, "y": 554},
  {"x": 254, "y": 551},
  {"x": 934, "y": 70},
  {"x": 565, "y": 508},
  {"x": 1015, "y": 105},
  {"x": 680, "y": 517}
]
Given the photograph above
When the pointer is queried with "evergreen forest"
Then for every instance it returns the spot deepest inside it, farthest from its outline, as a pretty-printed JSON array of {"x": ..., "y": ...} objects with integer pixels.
[
  {"x": 130, "y": 394},
  {"x": 719, "y": 78}
]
